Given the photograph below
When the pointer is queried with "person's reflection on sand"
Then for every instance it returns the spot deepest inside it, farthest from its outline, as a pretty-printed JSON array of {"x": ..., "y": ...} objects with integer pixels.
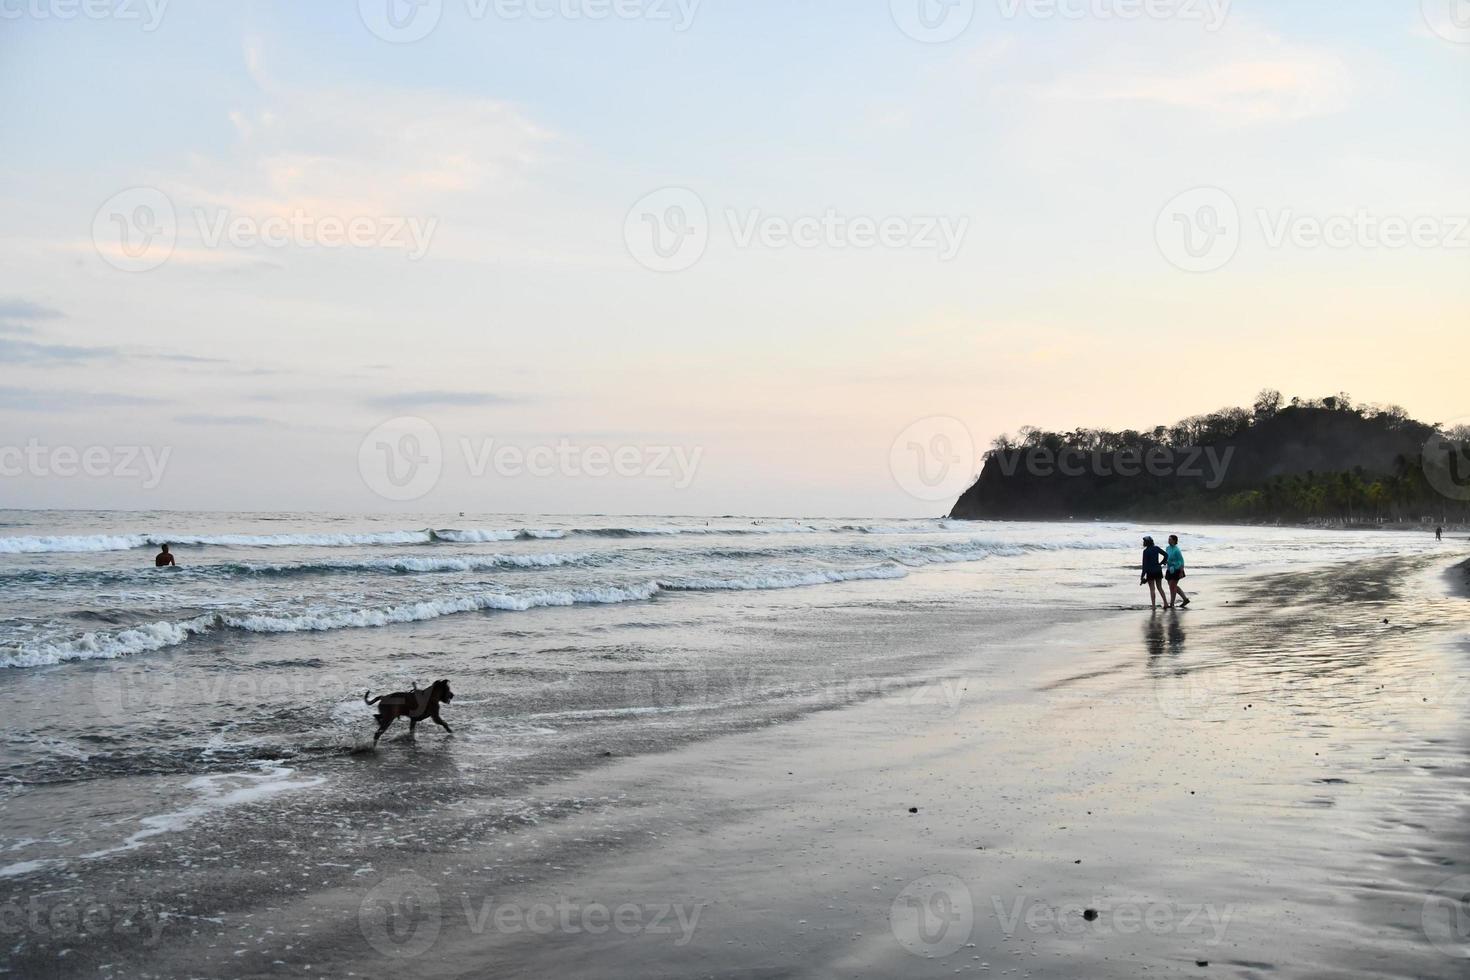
[
  {"x": 1163, "y": 633},
  {"x": 1153, "y": 638}
]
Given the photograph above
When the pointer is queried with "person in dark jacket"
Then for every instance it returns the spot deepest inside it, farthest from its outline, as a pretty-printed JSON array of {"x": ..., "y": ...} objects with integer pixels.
[{"x": 1153, "y": 573}]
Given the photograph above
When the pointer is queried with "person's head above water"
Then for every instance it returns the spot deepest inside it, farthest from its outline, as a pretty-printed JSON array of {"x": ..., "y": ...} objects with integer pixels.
[{"x": 165, "y": 548}]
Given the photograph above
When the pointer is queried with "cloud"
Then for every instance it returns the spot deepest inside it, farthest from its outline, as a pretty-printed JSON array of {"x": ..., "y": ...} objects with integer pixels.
[
  {"x": 439, "y": 399},
  {"x": 363, "y": 151},
  {"x": 20, "y": 309},
  {"x": 66, "y": 400},
  {"x": 184, "y": 358},
  {"x": 228, "y": 420},
  {"x": 29, "y": 352},
  {"x": 36, "y": 353},
  {"x": 1255, "y": 79}
]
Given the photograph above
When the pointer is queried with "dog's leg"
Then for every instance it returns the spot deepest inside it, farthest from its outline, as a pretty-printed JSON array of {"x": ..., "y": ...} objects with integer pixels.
[
  {"x": 412, "y": 724},
  {"x": 382, "y": 727},
  {"x": 440, "y": 721}
]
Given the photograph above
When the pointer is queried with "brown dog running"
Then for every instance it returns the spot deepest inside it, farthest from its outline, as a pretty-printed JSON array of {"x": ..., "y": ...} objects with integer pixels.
[{"x": 414, "y": 705}]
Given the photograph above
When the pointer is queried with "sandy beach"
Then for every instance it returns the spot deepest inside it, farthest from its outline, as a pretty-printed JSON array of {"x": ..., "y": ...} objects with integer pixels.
[{"x": 1271, "y": 783}]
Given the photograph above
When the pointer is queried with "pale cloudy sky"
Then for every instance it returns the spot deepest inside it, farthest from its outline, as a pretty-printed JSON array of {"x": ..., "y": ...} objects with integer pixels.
[{"x": 1000, "y": 212}]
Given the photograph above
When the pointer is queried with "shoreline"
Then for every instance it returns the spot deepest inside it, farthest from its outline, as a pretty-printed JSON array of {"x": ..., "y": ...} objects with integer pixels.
[
  {"x": 1450, "y": 527},
  {"x": 1122, "y": 761}
]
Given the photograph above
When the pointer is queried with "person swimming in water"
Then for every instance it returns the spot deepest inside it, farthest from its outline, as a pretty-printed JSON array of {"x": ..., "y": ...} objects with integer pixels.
[
  {"x": 1174, "y": 560},
  {"x": 163, "y": 559},
  {"x": 1153, "y": 572}
]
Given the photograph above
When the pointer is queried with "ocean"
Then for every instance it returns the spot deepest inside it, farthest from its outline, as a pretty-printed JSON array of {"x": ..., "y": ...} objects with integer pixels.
[{"x": 206, "y": 722}]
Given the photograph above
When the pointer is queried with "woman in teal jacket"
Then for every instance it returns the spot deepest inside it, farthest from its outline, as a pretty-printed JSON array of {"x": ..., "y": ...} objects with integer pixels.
[{"x": 1174, "y": 559}]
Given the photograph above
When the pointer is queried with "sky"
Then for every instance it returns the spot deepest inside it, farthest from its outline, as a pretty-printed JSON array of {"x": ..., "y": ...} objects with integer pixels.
[{"x": 701, "y": 256}]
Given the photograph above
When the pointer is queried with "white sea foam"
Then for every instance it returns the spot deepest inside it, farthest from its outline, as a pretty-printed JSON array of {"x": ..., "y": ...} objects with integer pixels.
[
  {"x": 26, "y": 867},
  {"x": 474, "y": 535},
  {"x": 101, "y": 645},
  {"x": 433, "y": 609},
  {"x": 214, "y": 796},
  {"x": 127, "y": 542},
  {"x": 104, "y": 645},
  {"x": 784, "y": 580},
  {"x": 89, "y": 542},
  {"x": 410, "y": 563}
]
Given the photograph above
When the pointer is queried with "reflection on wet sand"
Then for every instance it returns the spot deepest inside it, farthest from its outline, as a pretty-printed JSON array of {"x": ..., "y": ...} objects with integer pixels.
[{"x": 1163, "y": 633}]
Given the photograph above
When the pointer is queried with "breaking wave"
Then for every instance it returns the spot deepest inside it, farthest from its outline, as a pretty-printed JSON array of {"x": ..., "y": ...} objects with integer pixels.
[
  {"x": 427, "y": 536},
  {"x": 149, "y": 637}
]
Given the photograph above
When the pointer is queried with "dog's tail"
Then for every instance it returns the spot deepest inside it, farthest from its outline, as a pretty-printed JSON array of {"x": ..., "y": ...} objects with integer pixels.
[{"x": 374, "y": 700}]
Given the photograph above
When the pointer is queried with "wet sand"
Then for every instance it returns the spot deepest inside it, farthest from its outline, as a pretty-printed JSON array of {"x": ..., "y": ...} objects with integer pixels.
[{"x": 1273, "y": 782}]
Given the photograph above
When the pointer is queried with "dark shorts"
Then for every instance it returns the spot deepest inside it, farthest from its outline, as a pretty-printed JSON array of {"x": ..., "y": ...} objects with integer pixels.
[
  {"x": 1154, "y": 576},
  {"x": 1175, "y": 576}
]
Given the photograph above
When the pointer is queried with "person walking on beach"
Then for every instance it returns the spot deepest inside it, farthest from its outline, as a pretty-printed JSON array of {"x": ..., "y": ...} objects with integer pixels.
[
  {"x": 1174, "y": 560},
  {"x": 1153, "y": 573},
  {"x": 163, "y": 558},
  {"x": 1439, "y": 534}
]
